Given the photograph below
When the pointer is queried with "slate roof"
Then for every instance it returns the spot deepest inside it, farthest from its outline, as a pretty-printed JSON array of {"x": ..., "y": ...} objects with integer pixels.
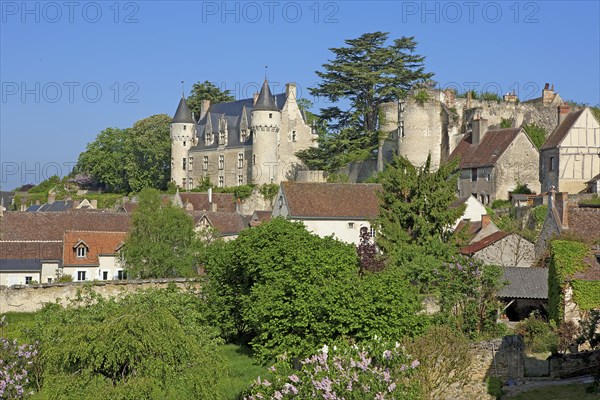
[
  {"x": 525, "y": 283},
  {"x": 561, "y": 131},
  {"x": 58, "y": 205},
  {"x": 20, "y": 265},
  {"x": 52, "y": 225},
  {"x": 483, "y": 243},
  {"x": 97, "y": 243},
  {"x": 226, "y": 223},
  {"x": 488, "y": 151},
  {"x": 183, "y": 113},
  {"x": 223, "y": 201},
  {"x": 6, "y": 199},
  {"x": 31, "y": 250},
  {"x": 332, "y": 200},
  {"x": 265, "y": 99}
]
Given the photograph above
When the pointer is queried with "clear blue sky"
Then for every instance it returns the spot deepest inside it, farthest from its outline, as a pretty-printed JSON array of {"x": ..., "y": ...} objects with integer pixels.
[{"x": 70, "y": 70}]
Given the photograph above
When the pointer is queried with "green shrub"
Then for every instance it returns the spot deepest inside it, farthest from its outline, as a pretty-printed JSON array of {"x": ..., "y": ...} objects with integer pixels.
[
  {"x": 421, "y": 97},
  {"x": 494, "y": 387},
  {"x": 500, "y": 204},
  {"x": 539, "y": 336}
]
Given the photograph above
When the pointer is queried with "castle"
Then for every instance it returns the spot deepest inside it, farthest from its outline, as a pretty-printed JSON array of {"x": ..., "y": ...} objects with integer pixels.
[{"x": 249, "y": 141}]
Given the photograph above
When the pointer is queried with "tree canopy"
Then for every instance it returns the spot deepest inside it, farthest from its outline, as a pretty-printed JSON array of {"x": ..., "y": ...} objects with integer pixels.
[
  {"x": 162, "y": 242},
  {"x": 365, "y": 73},
  {"x": 206, "y": 91}
]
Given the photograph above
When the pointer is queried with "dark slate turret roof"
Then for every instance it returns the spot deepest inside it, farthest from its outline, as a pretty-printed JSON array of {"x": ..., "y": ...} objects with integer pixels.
[
  {"x": 265, "y": 101},
  {"x": 183, "y": 113}
]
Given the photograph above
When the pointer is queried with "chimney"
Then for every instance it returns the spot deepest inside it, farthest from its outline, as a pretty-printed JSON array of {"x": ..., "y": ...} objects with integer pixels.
[
  {"x": 51, "y": 197},
  {"x": 204, "y": 106},
  {"x": 547, "y": 94},
  {"x": 290, "y": 90},
  {"x": 37, "y": 202},
  {"x": 255, "y": 98},
  {"x": 486, "y": 220},
  {"x": 561, "y": 204},
  {"x": 94, "y": 204},
  {"x": 209, "y": 195},
  {"x": 563, "y": 111},
  {"x": 478, "y": 128}
]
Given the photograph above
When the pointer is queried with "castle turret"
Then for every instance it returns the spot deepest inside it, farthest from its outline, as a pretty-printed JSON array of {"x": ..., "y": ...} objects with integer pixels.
[
  {"x": 183, "y": 137},
  {"x": 265, "y": 122}
]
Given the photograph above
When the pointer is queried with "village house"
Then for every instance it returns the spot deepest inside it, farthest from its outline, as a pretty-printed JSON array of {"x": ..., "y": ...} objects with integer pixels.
[
  {"x": 494, "y": 162},
  {"x": 526, "y": 290},
  {"x": 249, "y": 141},
  {"x": 570, "y": 156},
  {"x": 474, "y": 209},
  {"x": 93, "y": 255},
  {"x": 338, "y": 209},
  {"x": 226, "y": 225},
  {"x": 502, "y": 248},
  {"x": 24, "y": 262}
]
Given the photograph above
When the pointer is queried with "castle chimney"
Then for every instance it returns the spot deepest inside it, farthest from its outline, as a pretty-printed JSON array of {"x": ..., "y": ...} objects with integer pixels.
[
  {"x": 290, "y": 90},
  {"x": 547, "y": 94},
  {"x": 478, "y": 128},
  {"x": 563, "y": 110},
  {"x": 204, "y": 106}
]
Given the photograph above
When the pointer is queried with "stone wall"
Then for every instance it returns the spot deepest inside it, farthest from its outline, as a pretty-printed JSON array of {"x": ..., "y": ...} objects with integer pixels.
[
  {"x": 30, "y": 298},
  {"x": 572, "y": 365}
]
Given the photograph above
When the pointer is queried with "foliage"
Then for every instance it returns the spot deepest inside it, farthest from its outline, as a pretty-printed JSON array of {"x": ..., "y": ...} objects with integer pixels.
[
  {"x": 468, "y": 295},
  {"x": 537, "y": 134},
  {"x": 337, "y": 177},
  {"x": 283, "y": 289},
  {"x": 586, "y": 294},
  {"x": 589, "y": 327},
  {"x": 522, "y": 188},
  {"x": 539, "y": 214},
  {"x": 240, "y": 192},
  {"x": 369, "y": 258},
  {"x": 150, "y": 344},
  {"x": 17, "y": 368},
  {"x": 206, "y": 91},
  {"x": 567, "y": 333},
  {"x": 506, "y": 123},
  {"x": 25, "y": 187},
  {"x": 445, "y": 359},
  {"x": 204, "y": 185},
  {"x": 595, "y": 200},
  {"x": 499, "y": 203},
  {"x": 366, "y": 73},
  {"x": 494, "y": 387},
  {"x": 46, "y": 186},
  {"x": 268, "y": 191},
  {"x": 105, "y": 200},
  {"x": 566, "y": 258},
  {"x": 557, "y": 392},
  {"x": 371, "y": 370},
  {"x": 64, "y": 278},
  {"x": 242, "y": 370},
  {"x": 539, "y": 336},
  {"x": 162, "y": 241},
  {"x": 414, "y": 206},
  {"x": 422, "y": 97}
]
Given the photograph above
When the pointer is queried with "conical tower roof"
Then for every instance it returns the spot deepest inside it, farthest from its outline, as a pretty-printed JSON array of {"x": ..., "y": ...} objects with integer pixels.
[
  {"x": 183, "y": 113},
  {"x": 265, "y": 100}
]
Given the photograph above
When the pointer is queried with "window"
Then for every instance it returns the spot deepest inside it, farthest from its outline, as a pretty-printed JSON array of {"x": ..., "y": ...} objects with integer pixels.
[
  {"x": 222, "y": 137},
  {"x": 81, "y": 275},
  {"x": 49, "y": 280},
  {"x": 205, "y": 163},
  {"x": 184, "y": 143},
  {"x": 473, "y": 174},
  {"x": 81, "y": 251},
  {"x": 183, "y": 163},
  {"x": 293, "y": 136},
  {"x": 190, "y": 183},
  {"x": 105, "y": 275},
  {"x": 184, "y": 128},
  {"x": 240, "y": 180},
  {"x": 244, "y": 135},
  {"x": 28, "y": 280},
  {"x": 221, "y": 162},
  {"x": 253, "y": 159},
  {"x": 190, "y": 163},
  {"x": 551, "y": 164},
  {"x": 350, "y": 225},
  {"x": 240, "y": 160},
  {"x": 372, "y": 232},
  {"x": 270, "y": 115},
  {"x": 221, "y": 181},
  {"x": 183, "y": 182},
  {"x": 121, "y": 275}
]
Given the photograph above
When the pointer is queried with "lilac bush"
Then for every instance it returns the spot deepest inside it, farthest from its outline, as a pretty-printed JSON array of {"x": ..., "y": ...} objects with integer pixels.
[
  {"x": 367, "y": 371},
  {"x": 16, "y": 365}
]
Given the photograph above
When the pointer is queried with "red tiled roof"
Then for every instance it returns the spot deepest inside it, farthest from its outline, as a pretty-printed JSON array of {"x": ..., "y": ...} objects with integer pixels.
[
  {"x": 332, "y": 200},
  {"x": 584, "y": 222},
  {"x": 31, "y": 250},
  {"x": 259, "y": 217},
  {"x": 17, "y": 225},
  {"x": 483, "y": 243},
  {"x": 488, "y": 151},
  {"x": 226, "y": 223},
  {"x": 224, "y": 201},
  {"x": 561, "y": 131},
  {"x": 96, "y": 242}
]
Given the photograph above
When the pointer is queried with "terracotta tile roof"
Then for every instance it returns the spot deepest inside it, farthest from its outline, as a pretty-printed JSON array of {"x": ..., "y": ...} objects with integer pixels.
[
  {"x": 487, "y": 152},
  {"x": 259, "y": 217},
  {"x": 31, "y": 250},
  {"x": 559, "y": 133},
  {"x": 332, "y": 200},
  {"x": 52, "y": 225},
  {"x": 525, "y": 283},
  {"x": 96, "y": 243},
  {"x": 224, "y": 201},
  {"x": 226, "y": 223},
  {"x": 584, "y": 222},
  {"x": 483, "y": 243}
]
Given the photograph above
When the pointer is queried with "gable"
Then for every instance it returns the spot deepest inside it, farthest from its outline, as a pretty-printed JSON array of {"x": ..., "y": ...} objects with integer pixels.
[
  {"x": 487, "y": 152},
  {"x": 560, "y": 132}
]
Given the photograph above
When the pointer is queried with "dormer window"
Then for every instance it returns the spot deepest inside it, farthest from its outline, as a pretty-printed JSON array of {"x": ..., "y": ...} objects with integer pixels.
[
  {"x": 270, "y": 115},
  {"x": 81, "y": 251}
]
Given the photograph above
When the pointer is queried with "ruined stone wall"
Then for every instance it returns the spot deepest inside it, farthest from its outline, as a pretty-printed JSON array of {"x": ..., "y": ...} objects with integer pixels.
[
  {"x": 30, "y": 298},
  {"x": 571, "y": 365}
]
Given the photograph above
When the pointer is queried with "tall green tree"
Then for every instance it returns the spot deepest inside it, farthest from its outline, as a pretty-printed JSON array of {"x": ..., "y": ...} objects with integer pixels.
[
  {"x": 104, "y": 159},
  {"x": 206, "y": 91},
  {"x": 366, "y": 73},
  {"x": 148, "y": 162},
  {"x": 162, "y": 242}
]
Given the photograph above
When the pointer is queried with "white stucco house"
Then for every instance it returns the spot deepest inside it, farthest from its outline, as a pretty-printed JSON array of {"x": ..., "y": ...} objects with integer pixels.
[
  {"x": 338, "y": 209},
  {"x": 93, "y": 255},
  {"x": 473, "y": 211}
]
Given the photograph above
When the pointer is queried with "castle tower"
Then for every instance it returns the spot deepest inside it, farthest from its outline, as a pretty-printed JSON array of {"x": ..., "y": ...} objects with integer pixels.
[
  {"x": 265, "y": 125},
  {"x": 183, "y": 137}
]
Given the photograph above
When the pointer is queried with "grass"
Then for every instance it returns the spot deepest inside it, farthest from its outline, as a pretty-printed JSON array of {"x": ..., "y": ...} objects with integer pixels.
[
  {"x": 557, "y": 392},
  {"x": 16, "y": 325},
  {"x": 242, "y": 370}
]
